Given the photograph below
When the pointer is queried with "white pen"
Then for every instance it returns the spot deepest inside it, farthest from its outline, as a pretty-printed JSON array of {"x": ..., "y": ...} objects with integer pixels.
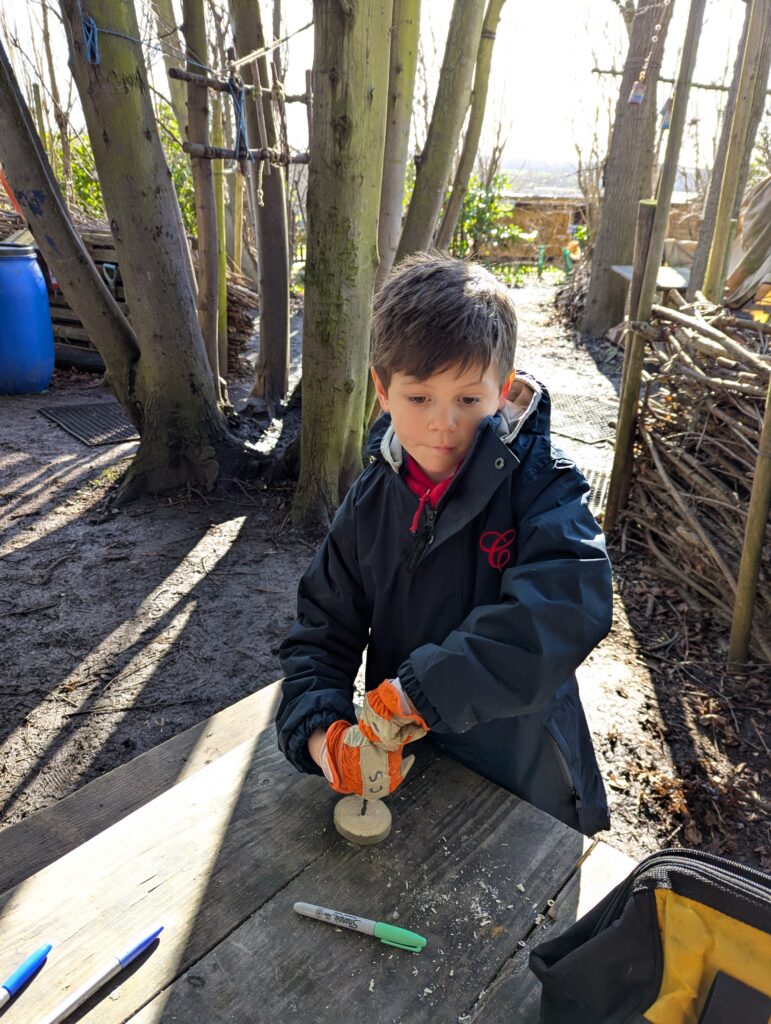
[{"x": 103, "y": 975}]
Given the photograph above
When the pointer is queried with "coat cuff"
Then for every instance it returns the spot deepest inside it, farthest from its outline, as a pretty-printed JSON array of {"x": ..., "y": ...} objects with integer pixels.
[
  {"x": 425, "y": 709},
  {"x": 297, "y": 745}
]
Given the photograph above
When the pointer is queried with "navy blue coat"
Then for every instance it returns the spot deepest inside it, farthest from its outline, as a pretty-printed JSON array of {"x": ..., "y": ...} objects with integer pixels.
[{"x": 484, "y": 614}]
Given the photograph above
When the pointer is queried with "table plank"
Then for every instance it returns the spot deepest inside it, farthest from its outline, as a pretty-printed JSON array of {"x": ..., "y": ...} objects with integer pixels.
[
  {"x": 200, "y": 859},
  {"x": 43, "y": 837},
  {"x": 667, "y": 277},
  {"x": 452, "y": 869},
  {"x": 515, "y": 995}
]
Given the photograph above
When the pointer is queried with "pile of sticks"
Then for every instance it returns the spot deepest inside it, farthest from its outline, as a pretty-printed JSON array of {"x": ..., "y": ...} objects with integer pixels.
[
  {"x": 571, "y": 297},
  {"x": 242, "y": 313},
  {"x": 698, "y": 436}
]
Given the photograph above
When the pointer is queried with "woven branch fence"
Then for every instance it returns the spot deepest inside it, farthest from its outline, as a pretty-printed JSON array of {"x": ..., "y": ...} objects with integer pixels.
[{"x": 696, "y": 451}]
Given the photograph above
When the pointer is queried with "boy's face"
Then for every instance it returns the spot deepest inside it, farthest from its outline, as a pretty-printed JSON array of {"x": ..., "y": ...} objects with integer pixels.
[{"x": 436, "y": 419}]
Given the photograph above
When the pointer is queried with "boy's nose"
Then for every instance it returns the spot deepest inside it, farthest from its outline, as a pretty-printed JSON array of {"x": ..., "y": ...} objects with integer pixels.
[{"x": 444, "y": 419}]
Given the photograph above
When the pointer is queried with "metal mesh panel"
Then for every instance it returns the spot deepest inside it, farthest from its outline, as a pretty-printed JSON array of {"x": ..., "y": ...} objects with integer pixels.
[
  {"x": 94, "y": 424},
  {"x": 583, "y": 418},
  {"x": 598, "y": 494}
]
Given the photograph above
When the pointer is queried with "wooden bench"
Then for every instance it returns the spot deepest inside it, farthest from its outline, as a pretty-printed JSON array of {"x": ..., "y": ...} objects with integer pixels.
[{"x": 215, "y": 835}]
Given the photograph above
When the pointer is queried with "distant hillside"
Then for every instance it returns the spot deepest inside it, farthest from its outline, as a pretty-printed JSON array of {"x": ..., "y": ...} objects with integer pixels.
[
  {"x": 559, "y": 179},
  {"x": 541, "y": 179}
]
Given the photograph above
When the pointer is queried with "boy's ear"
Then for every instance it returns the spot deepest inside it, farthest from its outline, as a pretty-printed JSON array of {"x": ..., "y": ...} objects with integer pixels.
[
  {"x": 382, "y": 394},
  {"x": 506, "y": 389}
]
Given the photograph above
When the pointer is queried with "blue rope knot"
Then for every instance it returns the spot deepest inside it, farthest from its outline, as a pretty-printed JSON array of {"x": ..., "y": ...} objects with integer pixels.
[
  {"x": 91, "y": 40},
  {"x": 242, "y": 136},
  {"x": 90, "y": 36}
]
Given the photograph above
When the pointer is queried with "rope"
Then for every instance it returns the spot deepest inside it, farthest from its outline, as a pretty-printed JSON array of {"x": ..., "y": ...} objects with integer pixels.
[
  {"x": 90, "y": 36},
  {"x": 92, "y": 31},
  {"x": 242, "y": 136},
  {"x": 267, "y": 49}
]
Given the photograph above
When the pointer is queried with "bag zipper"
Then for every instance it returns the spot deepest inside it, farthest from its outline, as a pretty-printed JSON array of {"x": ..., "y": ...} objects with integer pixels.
[
  {"x": 423, "y": 539},
  {"x": 698, "y": 864}
]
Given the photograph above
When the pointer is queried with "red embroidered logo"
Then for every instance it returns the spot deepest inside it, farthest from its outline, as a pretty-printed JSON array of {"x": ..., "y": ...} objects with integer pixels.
[{"x": 497, "y": 546}]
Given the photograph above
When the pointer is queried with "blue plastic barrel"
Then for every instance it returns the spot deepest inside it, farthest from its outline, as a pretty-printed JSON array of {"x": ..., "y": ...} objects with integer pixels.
[{"x": 26, "y": 336}]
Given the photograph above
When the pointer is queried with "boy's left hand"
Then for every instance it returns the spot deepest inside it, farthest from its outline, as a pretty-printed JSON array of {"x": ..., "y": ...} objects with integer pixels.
[{"x": 388, "y": 718}]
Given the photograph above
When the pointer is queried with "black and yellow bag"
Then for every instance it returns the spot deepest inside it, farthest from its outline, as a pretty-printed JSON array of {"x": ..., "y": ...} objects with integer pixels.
[{"x": 684, "y": 939}]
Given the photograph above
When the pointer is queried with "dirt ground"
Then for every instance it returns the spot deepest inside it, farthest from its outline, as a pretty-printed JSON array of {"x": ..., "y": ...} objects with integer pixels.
[{"x": 124, "y": 628}]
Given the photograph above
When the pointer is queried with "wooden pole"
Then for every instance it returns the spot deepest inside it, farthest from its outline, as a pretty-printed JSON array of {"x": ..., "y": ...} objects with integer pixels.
[
  {"x": 756, "y": 32},
  {"x": 218, "y": 169},
  {"x": 732, "y": 225},
  {"x": 41, "y": 125},
  {"x": 621, "y": 474},
  {"x": 238, "y": 221},
  {"x": 630, "y": 394},
  {"x": 752, "y": 551}
]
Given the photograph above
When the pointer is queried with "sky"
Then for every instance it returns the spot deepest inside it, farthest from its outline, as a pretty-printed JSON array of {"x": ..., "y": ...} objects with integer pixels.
[
  {"x": 542, "y": 83},
  {"x": 542, "y": 88}
]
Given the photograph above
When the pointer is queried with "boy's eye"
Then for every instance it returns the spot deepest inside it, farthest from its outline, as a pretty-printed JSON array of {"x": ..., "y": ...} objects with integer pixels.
[
  {"x": 470, "y": 400},
  {"x": 417, "y": 399}
]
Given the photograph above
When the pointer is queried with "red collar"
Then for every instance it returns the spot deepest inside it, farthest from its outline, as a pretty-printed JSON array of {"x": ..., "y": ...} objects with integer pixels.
[{"x": 424, "y": 487}]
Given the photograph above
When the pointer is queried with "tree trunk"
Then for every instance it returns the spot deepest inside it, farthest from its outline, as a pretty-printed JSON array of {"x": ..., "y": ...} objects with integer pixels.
[
  {"x": 401, "y": 86},
  {"x": 185, "y": 438},
  {"x": 709, "y": 213},
  {"x": 59, "y": 114},
  {"x": 272, "y": 370},
  {"x": 350, "y": 93},
  {"x": 34, "y": 186},
  {"x": 628, "y": 169},
  {"x": 452, "y": 100},
  {"x": 194, "y": 30},
  {"x": 168, "y": 36},
  {"x": 474, "y": 129}
]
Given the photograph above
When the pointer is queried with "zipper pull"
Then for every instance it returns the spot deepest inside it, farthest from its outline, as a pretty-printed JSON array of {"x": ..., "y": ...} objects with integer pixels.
[{"x": 423, "y": 540}]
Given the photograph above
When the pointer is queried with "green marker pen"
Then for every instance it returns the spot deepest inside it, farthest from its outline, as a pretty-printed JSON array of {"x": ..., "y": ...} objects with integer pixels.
[{"x": 388, "y": 933}]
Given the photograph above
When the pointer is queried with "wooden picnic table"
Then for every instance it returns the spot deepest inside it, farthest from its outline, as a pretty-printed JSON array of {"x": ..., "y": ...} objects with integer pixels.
[{"x": 215, "y": 835}]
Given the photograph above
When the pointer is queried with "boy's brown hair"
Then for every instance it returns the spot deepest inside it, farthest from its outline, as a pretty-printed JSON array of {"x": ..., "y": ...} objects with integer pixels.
[{"x": 434, "y": 311}]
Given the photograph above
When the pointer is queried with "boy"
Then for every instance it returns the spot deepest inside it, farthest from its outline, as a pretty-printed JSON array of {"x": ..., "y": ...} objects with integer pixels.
[{"x": 464, "y": 558}]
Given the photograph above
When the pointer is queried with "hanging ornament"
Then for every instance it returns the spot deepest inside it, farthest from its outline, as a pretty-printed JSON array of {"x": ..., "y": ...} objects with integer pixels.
[
  {"x": 666, "y": 114},
  {"x": 637, "y": 95}
]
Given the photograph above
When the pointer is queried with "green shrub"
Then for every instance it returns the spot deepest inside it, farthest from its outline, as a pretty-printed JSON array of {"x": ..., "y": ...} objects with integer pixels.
[{"x": 485, "y": 220}]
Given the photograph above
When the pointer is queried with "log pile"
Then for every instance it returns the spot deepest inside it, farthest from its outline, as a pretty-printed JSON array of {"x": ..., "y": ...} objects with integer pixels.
[
  {"x": 697, "y": 447},
  {"x": 571, "y": 297},
  {"x": 68, "y": 331}
]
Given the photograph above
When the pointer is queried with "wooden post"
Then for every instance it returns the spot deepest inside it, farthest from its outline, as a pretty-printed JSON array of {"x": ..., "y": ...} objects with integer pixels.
[
  {"x": 218, "y": 170},
  {"x": 732, "y": 225},
  {"x": 752, "y": 551},
  {"x": 194, "y": 29},
  {"x": 621, "y": 476},
  {"x": 238, "y": 220},
  {"x": 41, "y": 125},
  {"x": 630, "y": 394},
  {"x": 753, "y": 47}
]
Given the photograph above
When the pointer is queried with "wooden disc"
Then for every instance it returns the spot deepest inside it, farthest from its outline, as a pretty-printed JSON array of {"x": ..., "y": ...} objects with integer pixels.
[{"x": 367, "y": 828}]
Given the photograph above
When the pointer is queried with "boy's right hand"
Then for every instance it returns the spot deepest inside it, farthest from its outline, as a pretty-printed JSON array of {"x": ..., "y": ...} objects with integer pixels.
[
  {"x": 389, "y": 718},
  {"x": 352, "y": 764}
]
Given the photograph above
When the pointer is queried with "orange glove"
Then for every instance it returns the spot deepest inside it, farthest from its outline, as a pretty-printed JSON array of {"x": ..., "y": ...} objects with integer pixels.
[
  {"x": 352, "y": 764},
  {"x": 389, "y": 718}
]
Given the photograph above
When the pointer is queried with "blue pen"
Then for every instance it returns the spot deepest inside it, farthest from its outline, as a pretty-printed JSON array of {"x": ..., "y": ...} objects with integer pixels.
[
  {"x": 22, "y": 974},
  {"x": 103, "y": 975}
]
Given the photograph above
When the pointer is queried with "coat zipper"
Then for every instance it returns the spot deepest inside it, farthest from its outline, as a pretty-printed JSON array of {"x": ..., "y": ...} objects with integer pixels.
[
  {"x": 703, "y": 866},
  {"x": 563, "y": 763},
  {"x": 424, "y": 537}
]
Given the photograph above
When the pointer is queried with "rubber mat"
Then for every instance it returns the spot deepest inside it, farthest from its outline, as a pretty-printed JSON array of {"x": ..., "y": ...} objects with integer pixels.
[
  {"x": 583, "y": 418},
  {"x": 95, "y": 423}
]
